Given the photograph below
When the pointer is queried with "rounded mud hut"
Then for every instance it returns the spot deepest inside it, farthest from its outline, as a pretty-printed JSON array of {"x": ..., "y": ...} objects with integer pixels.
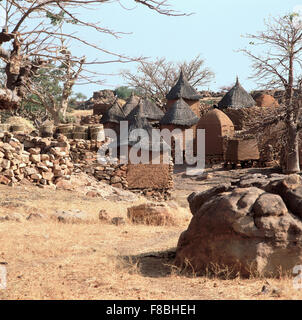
[{"x": 217, "y": 125}]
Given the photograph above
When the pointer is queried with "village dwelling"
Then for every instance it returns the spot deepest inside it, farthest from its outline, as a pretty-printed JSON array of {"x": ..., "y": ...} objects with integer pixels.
[
  {"x": 146, "y": 175},
  {"x": 112, "y": 117},
  {"x": 130, "y": 104},
  {"x": 237, "y": 97},
  {"x": 149, "y": 110},
  {"x": 218, "y": 126},
  {"x": 183, "y": 90},
  {"x": 234, "y": 102},
  {"x": 102, "y": 100},
  {"x": 179, "y": 116}
]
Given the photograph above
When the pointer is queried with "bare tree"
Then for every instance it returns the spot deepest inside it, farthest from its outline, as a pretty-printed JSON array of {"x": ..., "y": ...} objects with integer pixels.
[
  {"x": 31, "y": 37},
  {"x": 280, "y": 66},
  {"x": 156, "y": 78}
]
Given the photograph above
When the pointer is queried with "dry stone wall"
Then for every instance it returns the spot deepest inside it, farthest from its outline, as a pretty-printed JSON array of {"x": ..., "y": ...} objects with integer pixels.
[{"x": 48, "y": 161}]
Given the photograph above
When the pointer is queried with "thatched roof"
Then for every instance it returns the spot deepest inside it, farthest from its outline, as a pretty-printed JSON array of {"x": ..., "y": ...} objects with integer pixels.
[
  {"x": 237, "y": 97},
  {"x": 113, "y": 114},
  {"x": 130, "y": 104},
  {"x": 183, "y": 89},
  {"x": 151, "y": 110},
  {"x": 137, "y": 120},
  {"x": 180, "y": 114}
]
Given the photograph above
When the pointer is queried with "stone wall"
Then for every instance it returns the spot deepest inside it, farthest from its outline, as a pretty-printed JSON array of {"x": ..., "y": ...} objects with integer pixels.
[{"x": 48, "y": 161}]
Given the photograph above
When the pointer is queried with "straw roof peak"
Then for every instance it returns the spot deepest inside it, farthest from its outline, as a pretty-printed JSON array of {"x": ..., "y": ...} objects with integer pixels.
[
  {"x": 237, "y": 98},
  {"x": 182, "y": 89}
]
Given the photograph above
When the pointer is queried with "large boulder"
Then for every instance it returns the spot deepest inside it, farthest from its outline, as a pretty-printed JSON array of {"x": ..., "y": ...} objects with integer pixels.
[{"x": 247, "y": 229}]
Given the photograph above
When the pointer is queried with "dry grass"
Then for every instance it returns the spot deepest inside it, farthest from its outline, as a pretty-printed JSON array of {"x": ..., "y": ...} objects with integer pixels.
[{"x": 47, "y": 259}]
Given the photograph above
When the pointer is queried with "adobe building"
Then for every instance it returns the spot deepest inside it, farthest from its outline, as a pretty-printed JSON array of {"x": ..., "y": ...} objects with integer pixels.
[
  {"x": 217, "y": 126},
  {"x": 183, "y": 90},
  {"x": 112, "y": 117},
  {"x": 102, "y": 100},
  {"x": 151, "y": 111},
  {"x": 179, "y": 116},
  {"x": 235, "y": 102},
  {"x": 146, "y": 176}
]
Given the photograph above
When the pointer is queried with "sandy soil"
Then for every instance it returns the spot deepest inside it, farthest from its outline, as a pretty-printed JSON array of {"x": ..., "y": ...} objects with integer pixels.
[{"x": 47, "y": 259}]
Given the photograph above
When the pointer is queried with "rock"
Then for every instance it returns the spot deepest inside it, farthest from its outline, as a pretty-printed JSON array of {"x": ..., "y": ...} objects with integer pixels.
[
  {"x": 290, "y": 189},
  {"x": 70, "y": 216},
  {"x": 11, "y": 217},
  {"x": 103, "y": 215},
  {"x": 4, "y": 180},
  {"x": 269, "y": 205},
  {"x": 196, "y": 200},
  {"x": 247, "y": 230},
  {"x": 118, "y": 221},
  {"x": 92, "y": 194},
  {"x": 63, "y": 184},
  {"x": 150, "y": 214},
  {"x": 254, "y": 182},
  {"x": 35, "y": 216}
]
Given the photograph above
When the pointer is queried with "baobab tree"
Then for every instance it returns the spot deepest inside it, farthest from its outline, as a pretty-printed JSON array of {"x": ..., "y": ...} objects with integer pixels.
[
  {"x": 280, "y": 67},
  {"x": 31, "y": 39},
  {"x": 156, "y": 78}
]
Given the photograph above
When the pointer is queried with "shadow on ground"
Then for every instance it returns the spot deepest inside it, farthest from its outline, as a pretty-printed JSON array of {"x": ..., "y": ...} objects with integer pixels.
[{"x": 152, "y": 264}]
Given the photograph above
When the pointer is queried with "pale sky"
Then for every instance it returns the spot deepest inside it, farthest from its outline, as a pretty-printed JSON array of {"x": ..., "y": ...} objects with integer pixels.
[{"x": 214, "y": 31}]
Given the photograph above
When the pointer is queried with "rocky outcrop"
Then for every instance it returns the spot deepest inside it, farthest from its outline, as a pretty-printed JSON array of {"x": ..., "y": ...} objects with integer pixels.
[{"x": 249, "y": 230}]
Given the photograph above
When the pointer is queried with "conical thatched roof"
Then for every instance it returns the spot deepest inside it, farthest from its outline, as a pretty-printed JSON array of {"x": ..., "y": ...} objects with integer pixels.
[
  {"x": 137, "y": 120},
  {"x": 113, "y": 114},
  {"x": 237, "y": 97},
  {"x": 151, "y": 110},
  {"x": 130, "y": 104},
  {"x": 183, "y": 89},
  {"x": 180, "y": 114}
]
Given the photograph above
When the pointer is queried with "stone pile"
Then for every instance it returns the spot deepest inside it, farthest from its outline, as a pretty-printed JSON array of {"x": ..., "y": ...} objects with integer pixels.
[
  {"x": 38, "y": 160},
  {"x": 90, "y": 119},
  {"x": 49, "y": 161}
]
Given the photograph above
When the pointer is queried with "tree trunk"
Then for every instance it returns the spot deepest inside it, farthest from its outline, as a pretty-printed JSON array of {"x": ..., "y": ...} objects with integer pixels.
[
  {"x": 64, "y": 105},
  {"x": 292, "y": 161}
]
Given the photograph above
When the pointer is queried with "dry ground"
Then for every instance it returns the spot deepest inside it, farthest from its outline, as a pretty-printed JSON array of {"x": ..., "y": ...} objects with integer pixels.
[{"x": 47, "y": 259}]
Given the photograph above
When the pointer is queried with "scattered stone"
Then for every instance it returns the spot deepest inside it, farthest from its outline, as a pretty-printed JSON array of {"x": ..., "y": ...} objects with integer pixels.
[
  {"x": 35, "y": 216},
  {"x": 118, "y": 221},
  {"x": 71, "y": 216},
  {"x": 150, "y": 214},
  {"x": 103, "y": 215}
]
